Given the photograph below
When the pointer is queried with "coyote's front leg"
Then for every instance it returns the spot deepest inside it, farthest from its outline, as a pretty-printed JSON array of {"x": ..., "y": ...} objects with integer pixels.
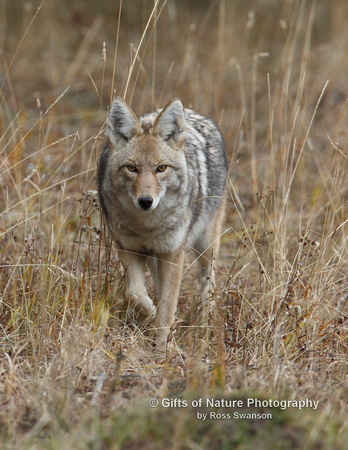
[
  {"x": 136, "y": 294},
  {"x": 169, "y": 270}
]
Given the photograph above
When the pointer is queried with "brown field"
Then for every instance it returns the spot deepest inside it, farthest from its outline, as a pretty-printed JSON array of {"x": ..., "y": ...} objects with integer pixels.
[{"x": 76, "y": 371}]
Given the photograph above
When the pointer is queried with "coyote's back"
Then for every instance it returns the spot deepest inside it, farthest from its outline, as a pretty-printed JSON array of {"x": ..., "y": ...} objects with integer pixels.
[{"x": 161, "y": 183}]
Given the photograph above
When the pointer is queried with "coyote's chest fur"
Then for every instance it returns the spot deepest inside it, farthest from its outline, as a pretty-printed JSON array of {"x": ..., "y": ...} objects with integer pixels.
[{"x": 161, "y": 230}]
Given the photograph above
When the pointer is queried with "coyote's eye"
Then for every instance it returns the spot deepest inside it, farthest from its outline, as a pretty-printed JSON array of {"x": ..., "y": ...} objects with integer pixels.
[
  {"x": 132, "y": 168},
  {"x": 161, "y": 168}
]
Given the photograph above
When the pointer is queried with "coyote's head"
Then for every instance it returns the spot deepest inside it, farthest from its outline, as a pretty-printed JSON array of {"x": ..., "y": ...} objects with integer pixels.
[{"x": 146, "y": 153}]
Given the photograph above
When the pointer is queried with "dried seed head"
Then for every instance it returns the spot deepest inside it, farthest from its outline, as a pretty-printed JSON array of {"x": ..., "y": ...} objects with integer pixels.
[{"x": 104, "y": 52}]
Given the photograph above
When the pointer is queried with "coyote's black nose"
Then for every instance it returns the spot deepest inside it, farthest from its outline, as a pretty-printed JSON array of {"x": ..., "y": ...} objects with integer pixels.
[{"x": 145, "y": 202}]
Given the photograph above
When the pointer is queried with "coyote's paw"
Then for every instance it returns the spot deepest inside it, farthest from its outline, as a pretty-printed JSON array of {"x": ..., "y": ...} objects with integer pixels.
[
  {"x": 144, "y": 306},
  {"x": 160, "y": 337}
]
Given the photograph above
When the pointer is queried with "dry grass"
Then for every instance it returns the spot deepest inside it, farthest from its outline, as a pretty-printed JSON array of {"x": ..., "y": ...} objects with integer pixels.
[{"x": 75, "y": 370}]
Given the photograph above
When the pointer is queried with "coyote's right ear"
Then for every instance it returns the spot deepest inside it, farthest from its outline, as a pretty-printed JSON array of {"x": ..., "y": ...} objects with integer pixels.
[{"x": 122, "y": 122}]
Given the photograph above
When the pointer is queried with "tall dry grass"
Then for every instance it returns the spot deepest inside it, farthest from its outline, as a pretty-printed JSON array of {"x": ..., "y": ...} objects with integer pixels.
[{"x": 76, "y": 369}]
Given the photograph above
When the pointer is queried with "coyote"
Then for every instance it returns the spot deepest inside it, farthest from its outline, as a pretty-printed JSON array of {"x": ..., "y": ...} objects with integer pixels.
[{"x": 161, "y": 180}]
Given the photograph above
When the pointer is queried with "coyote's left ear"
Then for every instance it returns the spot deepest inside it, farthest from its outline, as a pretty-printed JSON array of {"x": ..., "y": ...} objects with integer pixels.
[{"x": 171, "y": 122}]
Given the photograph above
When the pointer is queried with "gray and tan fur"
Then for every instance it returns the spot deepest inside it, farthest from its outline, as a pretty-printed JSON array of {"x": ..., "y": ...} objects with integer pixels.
[{"x": 161, "y": 182}]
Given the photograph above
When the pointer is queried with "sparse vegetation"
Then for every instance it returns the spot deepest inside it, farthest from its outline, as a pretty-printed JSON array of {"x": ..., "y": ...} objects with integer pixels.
[{"x": 76, "y": 371}]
